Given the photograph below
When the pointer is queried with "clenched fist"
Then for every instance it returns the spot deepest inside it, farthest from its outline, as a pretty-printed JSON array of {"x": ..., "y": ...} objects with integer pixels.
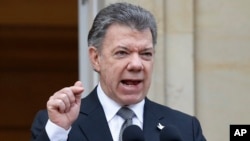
[{"x": 63, "y": 107}]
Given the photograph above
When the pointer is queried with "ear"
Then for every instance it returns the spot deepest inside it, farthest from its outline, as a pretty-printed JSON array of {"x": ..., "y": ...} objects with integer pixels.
[{"x": 94, "y": 58}]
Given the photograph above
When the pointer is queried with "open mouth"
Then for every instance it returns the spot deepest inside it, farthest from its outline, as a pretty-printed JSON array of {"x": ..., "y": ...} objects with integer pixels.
[{"x": 131, "y": 82}]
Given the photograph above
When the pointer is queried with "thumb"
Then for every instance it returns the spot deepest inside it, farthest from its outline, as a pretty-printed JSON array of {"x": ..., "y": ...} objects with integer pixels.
[
  {"x": 78, "y": 83},
  {"x": 77, "y": 88},
  {"x": 78, "y": 96}
]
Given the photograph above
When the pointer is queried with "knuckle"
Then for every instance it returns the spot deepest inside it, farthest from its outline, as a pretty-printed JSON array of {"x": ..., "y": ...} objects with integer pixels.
[
  {"x": 67, "y": 90},
  {"x": 63, "y": 96}
]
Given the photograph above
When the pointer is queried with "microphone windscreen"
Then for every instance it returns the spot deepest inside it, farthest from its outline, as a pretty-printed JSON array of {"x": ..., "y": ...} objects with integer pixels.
[
  {"x": 170, "y": 133},
  {"x": 133, "y": 133}
]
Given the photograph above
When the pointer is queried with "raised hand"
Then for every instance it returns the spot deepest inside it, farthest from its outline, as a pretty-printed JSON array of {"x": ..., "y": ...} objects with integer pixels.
[{"x": 63, "y": 107}]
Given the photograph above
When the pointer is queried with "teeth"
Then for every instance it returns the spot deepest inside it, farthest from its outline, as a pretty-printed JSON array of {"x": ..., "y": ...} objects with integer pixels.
[{"x": 127, "y": 82}]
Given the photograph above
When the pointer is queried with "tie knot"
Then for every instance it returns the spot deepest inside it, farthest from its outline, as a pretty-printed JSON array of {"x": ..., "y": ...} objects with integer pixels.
[{"x": 126, "y": 113}]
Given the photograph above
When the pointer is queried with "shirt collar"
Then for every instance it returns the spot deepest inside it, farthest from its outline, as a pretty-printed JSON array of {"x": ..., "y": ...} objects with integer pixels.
[{"x": 111, "y": 107}]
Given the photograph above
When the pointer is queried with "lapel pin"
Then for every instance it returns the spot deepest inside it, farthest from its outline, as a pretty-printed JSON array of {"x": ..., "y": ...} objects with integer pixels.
[{"x": 160, "y": 126}]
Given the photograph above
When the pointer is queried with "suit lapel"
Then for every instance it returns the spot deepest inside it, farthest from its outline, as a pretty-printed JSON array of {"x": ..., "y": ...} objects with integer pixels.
[
  {"x": 94, "y": 126},
  {"x": 152, "y": 118},
  {"x": 93, "y": 123}
]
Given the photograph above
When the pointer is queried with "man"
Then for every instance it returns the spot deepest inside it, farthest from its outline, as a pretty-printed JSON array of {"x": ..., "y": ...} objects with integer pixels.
[{"x": 121, "y": 49}]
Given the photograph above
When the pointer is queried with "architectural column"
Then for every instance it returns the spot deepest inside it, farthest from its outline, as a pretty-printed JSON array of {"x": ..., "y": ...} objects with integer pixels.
[{"x": 179, "y": 55}]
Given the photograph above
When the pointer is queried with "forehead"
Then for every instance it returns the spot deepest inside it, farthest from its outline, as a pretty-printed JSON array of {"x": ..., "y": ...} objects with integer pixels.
[{"x": 121, "y": 35}]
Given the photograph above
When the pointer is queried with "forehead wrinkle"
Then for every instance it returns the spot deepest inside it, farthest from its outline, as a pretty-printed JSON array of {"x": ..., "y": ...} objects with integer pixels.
[{"x": 135, "y": 48}]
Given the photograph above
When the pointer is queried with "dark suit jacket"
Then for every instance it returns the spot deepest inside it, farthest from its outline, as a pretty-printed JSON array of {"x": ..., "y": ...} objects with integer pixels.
[{"x": 92, "y": 125}]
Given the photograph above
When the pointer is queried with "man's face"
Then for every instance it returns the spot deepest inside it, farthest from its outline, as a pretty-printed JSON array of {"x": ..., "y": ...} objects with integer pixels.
[{"x": 125, "y": 63}]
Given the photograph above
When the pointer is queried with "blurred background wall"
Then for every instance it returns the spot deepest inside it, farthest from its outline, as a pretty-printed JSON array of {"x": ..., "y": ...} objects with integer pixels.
[{"x": 202, "y": 59}]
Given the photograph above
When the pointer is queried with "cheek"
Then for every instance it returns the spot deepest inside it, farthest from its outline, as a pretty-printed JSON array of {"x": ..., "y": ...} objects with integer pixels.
[
  {"x": 109, "y": 73},
  {"x": 149, "y": 69}
]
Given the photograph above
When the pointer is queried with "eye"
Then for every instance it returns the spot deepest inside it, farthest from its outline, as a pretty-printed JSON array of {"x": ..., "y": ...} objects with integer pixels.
[
  {"x": 121, "y": 53},
  {"x": 147, "y": 55}
]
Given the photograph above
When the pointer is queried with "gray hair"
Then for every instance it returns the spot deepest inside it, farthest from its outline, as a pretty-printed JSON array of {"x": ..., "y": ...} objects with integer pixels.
[{"x": 124, "y": 14}]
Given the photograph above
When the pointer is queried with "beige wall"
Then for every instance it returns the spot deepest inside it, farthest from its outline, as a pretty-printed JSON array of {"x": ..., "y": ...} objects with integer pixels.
[
  {"x": 222, "y": 46},
  {"x": 203, "y": 60}
]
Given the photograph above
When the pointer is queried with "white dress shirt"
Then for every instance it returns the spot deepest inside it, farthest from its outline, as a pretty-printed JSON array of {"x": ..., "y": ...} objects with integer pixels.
[{"x": 110, "y": 107}]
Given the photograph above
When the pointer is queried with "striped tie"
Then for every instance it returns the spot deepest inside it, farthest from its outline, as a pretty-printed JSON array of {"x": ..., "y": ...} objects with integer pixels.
[{"x": 127, "y": 115}]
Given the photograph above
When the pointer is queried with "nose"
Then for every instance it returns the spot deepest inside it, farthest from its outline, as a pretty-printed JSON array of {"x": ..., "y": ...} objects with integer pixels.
[{"x": 135, "y": 63}]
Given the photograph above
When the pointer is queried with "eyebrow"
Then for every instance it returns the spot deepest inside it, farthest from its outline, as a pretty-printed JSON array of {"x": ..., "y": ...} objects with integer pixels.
[
  {"x": 123, "y": 47},
  {"x": 144, "y": 49},
  {"x": 149, "y": 49}
]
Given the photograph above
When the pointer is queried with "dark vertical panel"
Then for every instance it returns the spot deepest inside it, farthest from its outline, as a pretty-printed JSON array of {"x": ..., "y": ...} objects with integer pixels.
[
  {"x": 34, "y": 63},
  {"x": 36, "y": 59}
]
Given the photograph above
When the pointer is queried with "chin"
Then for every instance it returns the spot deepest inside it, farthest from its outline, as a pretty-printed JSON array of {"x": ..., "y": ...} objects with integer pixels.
[{"x": 132, "y": 101}]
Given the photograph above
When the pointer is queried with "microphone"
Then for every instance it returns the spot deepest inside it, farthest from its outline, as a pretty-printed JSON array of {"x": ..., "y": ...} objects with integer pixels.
[
  {"x": 170, "y": 133},
  {"x": 132, "y": 133}
]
